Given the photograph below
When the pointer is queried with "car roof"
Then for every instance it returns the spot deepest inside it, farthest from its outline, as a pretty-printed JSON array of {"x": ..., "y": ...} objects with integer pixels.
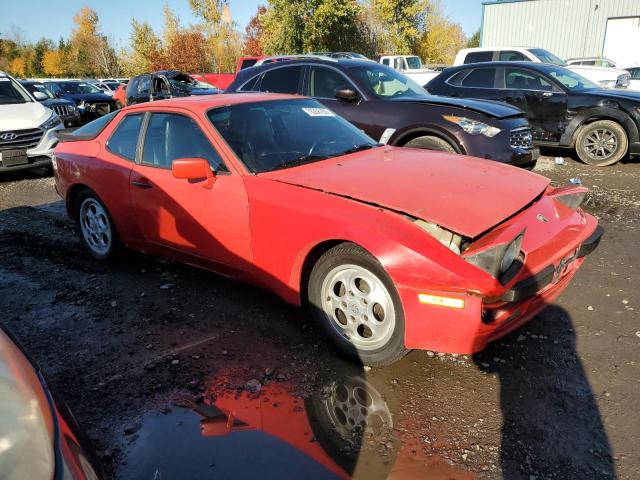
[
  {"x": 530, "y": 65},
  {"x": 205, "y": 102}
]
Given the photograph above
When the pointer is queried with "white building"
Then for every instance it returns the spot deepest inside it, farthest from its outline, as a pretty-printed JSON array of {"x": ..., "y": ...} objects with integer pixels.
[{"x": 567, "y": 28}]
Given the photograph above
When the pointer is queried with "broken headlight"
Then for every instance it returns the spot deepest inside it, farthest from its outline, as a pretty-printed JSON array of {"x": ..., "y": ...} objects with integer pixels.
[
  {"x": 497, "y": 259},
  {"x": 449, "y": 239},
  {"x": 571, "y": 197}
]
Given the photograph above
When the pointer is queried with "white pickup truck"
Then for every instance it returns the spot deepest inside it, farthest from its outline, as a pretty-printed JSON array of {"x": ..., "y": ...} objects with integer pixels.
[
  {"x": 411, "y": 66},
  {"x": 606, "y": 76}
]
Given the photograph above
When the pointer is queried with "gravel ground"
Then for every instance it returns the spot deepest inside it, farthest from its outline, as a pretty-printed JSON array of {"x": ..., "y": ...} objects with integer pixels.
[{"x": 155, "y": 358}]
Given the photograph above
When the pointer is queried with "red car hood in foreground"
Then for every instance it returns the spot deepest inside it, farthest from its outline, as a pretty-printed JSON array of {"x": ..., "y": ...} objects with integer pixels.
[{"x": 465, "y": 195}]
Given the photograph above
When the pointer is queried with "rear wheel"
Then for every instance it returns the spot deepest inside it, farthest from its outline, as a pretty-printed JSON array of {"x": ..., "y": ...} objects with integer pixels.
[
  {"x": 430, "y": 142},
  {"x": 601, "y": 143},
  {"x": 354, "y": 299},
  {"x": 95, "y": 227}
]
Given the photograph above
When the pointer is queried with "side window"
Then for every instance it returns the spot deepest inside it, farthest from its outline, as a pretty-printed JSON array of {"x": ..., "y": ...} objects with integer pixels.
[
  {"x": 144, "y": 85},
  {"x": 170, "y": 136},
  {"x": 324, "y": 81},
  {"x": 516, "y": 79},
  {"x": 591, "y": 63},
  {"x": 635, "y": 73},
  {"x": 480, "y": 78},
  {"x": 456, "y": 79},
  {"x": 282, "y": 80},
  {"x": 250, "y": 62},
  {"x": 477, "y": 57},
  {"x": 250, "y": 86},
  {"x": 124, "y": 139},
  {"x": 54, "y": 88},
  {"x": 511, "y": 56},
  {"x": 385, "y": 61}
]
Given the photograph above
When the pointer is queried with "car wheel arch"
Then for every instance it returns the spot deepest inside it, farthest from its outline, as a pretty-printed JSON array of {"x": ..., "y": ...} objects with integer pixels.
[
  {"x": 412, "y": 134},
  {"x": 594, "y": 115},
  {"x": 73, "y": 193}
]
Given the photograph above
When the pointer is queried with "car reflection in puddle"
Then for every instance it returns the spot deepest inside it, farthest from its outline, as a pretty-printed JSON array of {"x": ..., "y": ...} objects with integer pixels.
[{"x": 344, "y": 428}]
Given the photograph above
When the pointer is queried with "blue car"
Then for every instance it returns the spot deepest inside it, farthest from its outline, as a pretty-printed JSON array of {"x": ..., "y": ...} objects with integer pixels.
[{"x": 90, "y": 101}]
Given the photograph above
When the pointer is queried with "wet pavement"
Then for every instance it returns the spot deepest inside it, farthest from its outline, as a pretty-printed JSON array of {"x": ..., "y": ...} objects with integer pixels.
[{"x": 178, "y": 373}]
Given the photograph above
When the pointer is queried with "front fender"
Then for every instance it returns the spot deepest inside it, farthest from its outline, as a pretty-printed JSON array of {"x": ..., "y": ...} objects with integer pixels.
[{"x": 598, "y": 113}]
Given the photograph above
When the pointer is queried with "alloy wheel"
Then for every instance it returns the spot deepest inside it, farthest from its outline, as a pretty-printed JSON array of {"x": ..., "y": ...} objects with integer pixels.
[
  {"x": 95, "y": 226},
  {"x": 600, "y": 144},
  {"x": 358, "y": 306}
]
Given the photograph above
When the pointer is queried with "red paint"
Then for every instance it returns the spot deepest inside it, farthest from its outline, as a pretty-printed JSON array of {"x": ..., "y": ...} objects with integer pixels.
[
  {"x": 223, "y": 80},
  {"x": 261, "y": 228}
]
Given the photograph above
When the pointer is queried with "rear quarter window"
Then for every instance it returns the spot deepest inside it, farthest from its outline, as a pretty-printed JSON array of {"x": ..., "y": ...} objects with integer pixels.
[
  {"x": 89, "y": 131},
  {"x": 480, "y": 78}
]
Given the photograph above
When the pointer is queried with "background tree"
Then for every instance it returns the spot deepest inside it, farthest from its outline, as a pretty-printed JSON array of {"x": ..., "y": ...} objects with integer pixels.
[
  {"x": 253, "y": 33},
  {"x": 52, "y": 63},
  {"x": 441, "y": 39},
  {"x": 146, "y": 48},
  {"x": 404, "y": 21},
  {"x": 474, "y": 40}
]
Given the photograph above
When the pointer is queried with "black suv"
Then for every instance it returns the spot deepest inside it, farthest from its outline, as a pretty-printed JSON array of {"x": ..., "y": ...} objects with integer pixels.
[
  {"x": 165, "y": 84},
  {"x": 393, "y": 109},
  {"x": 565, "y": 109},
  {"x": 66, "y": 109}
]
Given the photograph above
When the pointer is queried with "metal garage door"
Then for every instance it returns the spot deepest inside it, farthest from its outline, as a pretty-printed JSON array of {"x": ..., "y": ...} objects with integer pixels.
[{"x": 622, "y": 40}]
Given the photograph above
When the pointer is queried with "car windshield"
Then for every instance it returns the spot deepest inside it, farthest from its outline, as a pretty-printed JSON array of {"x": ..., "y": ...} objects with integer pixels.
[
  {"x": 571, "y": 80},
  {"x": 182, "y": 82},
  {"x": 112, "y": 85},
  {"x": 11, "y": 92},
  {"x": 414, "y": 63},
  {"x": 38, "y": 87},
  {"x": 78, "y": 87},
  {"x": 385, "y": 82},
  {"x": 278, "y": 134},
  {"x": 547, "y": 57}
]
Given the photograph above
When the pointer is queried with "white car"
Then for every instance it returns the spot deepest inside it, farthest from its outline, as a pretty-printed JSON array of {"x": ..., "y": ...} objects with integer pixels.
[
  {"x": 411, "y": 66},
  {"x": 606, "y": 76},
  {"x": 635, "y": 78},
  {"x": 27, "y": 128}
]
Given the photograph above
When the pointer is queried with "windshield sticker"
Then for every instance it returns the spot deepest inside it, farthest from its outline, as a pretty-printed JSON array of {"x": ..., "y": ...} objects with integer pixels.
[{"x": 318, "y": 112}]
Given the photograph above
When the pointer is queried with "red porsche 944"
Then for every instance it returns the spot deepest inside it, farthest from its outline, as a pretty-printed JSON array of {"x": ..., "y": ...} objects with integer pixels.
[{"x": 391, "y": 248}]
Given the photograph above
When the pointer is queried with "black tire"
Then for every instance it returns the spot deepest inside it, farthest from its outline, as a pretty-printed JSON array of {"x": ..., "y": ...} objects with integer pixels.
[
  {"x": 85, "y": 199},
  {"x": 391, "y": 347},
  {"x": 429, "y": 142},
  {"x": 607, "y": 134}
]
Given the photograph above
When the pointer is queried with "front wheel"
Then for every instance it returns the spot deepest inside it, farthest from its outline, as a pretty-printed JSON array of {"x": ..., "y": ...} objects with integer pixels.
[
  {"x": 601, "y": 143},
  {"x": 430, "y": 142},
  {"x": 355, "y": 301}
]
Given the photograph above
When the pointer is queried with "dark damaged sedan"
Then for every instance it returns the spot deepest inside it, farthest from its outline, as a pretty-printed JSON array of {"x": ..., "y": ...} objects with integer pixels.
[
  {"x": 90, "y": 101},
  {"x": 394, "y": 110}
]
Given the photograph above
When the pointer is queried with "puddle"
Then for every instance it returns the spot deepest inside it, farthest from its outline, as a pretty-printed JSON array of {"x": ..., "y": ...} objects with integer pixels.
[{"x": 344, "y": 429}]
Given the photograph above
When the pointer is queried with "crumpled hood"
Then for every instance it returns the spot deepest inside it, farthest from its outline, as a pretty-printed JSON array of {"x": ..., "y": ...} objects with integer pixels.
[
  {"x": 20, "y": 116},
  {"x": 463, "y": 194},
  {"x": 487, "y": 107}
]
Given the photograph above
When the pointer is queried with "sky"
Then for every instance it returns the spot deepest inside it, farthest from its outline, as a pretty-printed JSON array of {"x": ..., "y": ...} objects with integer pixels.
[{"x": 37, "y": 18}]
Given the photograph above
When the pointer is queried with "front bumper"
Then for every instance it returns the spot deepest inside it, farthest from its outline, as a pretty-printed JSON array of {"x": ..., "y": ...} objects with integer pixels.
[
  {"x": 468, "y": 330},
  {"x": 40, "y": 156}
]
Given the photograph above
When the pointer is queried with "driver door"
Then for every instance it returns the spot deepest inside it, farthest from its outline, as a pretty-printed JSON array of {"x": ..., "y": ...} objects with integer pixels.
[
  {"x": 209, "y": 225},
  {"x": 544, "y": 103}
]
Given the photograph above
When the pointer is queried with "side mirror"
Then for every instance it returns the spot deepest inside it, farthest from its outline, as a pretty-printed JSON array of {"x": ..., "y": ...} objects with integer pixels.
[
  {"x": 346, "y": 94},
  {"x": 193, "y": 169},
  {"x": 39, "y": 96}
]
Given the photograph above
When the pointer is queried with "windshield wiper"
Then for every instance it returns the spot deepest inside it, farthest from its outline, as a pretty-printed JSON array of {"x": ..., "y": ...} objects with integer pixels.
[
  {"x": 359, "y": 148},
  {"x": 300, "y": 161}
]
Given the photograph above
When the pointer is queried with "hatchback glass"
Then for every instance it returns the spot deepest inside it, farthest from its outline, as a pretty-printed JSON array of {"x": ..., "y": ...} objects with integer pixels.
[
  {"x": 385, "y": 82},
  {"x": 277, "y": 134}
]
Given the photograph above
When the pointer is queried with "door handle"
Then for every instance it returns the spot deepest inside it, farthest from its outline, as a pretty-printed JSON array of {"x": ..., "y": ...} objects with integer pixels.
[
  {"x": 547, "y": 94},
  {"x": 142, "y": 184}
]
